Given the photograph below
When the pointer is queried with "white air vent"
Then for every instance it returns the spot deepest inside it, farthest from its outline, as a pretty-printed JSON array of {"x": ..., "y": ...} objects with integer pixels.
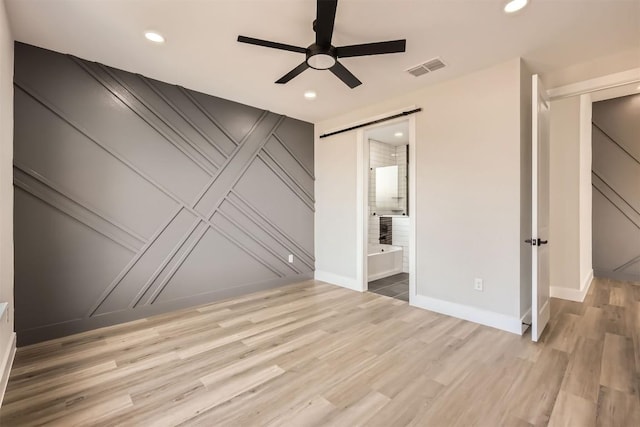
[{"x": 426, "y": 67}]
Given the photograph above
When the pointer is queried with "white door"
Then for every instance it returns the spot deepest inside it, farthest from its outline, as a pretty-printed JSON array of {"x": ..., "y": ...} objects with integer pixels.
[{"x": 540, "y": 309}]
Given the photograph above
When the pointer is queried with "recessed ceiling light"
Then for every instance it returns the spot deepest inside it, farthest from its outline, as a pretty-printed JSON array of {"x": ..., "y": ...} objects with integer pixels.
[
  {"x": 310, "y": 95},
  {"x": 154, "y": 37},
  {"x": 515, "y": 5},
  {"x": 399, "y": 134}
]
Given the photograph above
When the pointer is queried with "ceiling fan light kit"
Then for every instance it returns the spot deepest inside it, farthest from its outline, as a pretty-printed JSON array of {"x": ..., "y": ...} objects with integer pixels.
[{"x": 322, "y": 55}]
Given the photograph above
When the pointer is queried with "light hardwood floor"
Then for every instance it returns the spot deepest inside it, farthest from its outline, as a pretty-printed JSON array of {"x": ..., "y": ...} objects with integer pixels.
[{"x": 314, "y": 354}]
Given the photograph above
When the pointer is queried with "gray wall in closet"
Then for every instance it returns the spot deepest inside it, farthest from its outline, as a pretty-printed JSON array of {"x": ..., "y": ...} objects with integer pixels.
[
  {"x": 616, "y": 188},
  {"x": 135, "y": 197}
]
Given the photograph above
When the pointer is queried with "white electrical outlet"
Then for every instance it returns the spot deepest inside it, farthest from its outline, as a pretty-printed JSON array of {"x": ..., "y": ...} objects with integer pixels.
[
  {"x": 290, "y": 257},
  {"x": 478, "y": 284}
]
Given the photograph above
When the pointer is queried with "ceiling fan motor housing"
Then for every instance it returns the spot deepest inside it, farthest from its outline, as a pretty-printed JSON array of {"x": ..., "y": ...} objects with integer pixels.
[{"x": 321, "y": 58}]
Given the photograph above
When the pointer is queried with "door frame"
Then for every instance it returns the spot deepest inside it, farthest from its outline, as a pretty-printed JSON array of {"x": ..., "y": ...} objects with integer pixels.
[
  {"x": 593, "y": 85},
  {"x": 578, "y": 89},
  {"x": 362, "y": 199}
]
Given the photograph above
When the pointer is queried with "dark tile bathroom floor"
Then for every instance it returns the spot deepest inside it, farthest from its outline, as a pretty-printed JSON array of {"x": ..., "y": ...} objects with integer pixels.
[{"x": 396, "y": 286}]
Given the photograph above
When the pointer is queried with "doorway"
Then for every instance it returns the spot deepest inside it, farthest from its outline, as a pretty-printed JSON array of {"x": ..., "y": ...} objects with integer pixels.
[
  {"x": 575, "y": 186},
  {"x": 615, "y": 170},
  {"x": 387, "y": 187}
]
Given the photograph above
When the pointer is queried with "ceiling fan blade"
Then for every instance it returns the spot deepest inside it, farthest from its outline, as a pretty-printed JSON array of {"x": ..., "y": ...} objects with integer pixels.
[
  {"x": 393, "y": 46},
  {"x": 273, "y": 45},
  {"x": 293, "y": 73},
  {"x": 325, "y": 18},
  {"x": 345, "y": 75}
]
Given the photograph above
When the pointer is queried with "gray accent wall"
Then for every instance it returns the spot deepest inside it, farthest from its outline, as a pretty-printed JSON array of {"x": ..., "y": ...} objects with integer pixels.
[
  {"x": 135, "y": 197},
  {"x": 616, "y": 188}
]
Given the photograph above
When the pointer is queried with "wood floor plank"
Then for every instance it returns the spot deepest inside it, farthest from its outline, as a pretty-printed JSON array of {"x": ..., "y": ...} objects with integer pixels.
[
  {"x": 571, "y": 410},
  {"x": 617, "y": 409},
  {"x": 308, "y": 413},
  {"x": 582, "y": 378},
  {"x": 617, "y": 370},
  {"x": 617, "y": 296},
  {"x": 314, "y": 354}
]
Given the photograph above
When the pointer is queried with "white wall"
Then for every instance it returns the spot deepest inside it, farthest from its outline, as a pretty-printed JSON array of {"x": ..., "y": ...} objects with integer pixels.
[
  {"x": 570, "y": 197},
  {"x": 401, "y": 228},
  {"x": 335, "y": 219},
  {"x": 7, "y": 337},
  {"x": 586, "y": 193},
  {"x": 525, "y": 188},
  {"x": 468, "y": 183},
  {"x": 564, "y": 208}
]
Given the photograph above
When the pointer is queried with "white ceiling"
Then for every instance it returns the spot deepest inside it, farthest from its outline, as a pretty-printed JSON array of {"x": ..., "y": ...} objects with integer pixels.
[
  {"x": 387, "y": 133},
  {"x": 201, "y": 51}
]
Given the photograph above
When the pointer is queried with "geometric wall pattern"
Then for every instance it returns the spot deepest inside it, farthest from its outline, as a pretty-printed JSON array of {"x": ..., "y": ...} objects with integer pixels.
[
  {"x": 135, "y": 197},
  {"x": 616, "y": 188}
]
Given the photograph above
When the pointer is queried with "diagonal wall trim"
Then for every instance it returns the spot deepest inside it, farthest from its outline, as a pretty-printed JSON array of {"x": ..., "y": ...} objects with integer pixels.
[
  {"x": 154, "y": 168},
  {"x": 160, "y": 117},
  {"x": 242, "y": 159},
  {"x": 255, "y": 211},
  {"x": 60, "y": 207},
  {"x": 617, "y": 144},
  {"x": 271, "y": 234},
  {"x": 78, "y": 201},
  {"x": 615, "y": 171},
  {"x": 613, "y": 190},
  {"x": 628, "y": 264},
  {"x": 293, "y": 156},
  {"x": 120, "y": 95},
  {"x": 165, "y": 281},
  {"x": 163, "y": 264},
  {"x": 258, "y": 242},
  {"x": 132, "y": 263},
  {"x": 306, "y": 197},
  {"x": 184, "y": 117},
  {"x": 33, "y": 94},
  {"x": 288, "y": 174},
  {"x": 226, "y": 164},
  {"x": 615, "y": 205},
  {"x": 212, "y": 119},
  {"x": 183, "y": 257},
  {"x": 244, "y": 248}
]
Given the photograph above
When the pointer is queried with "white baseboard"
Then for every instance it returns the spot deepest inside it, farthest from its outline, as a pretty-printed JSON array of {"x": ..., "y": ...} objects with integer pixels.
[
  {"x": 5, "y": 367},
  {"x": 338, "y": 280},
  {"x": 571, "y": 294},
  {"x": 472, "y": 314}
]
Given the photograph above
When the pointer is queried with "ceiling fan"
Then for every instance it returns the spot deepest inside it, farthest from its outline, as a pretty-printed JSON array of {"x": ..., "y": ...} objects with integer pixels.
[{"x": 322, "y": 55}]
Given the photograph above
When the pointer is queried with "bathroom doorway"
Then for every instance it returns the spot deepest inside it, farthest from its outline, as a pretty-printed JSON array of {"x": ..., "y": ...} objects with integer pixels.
[{"x": 388, "y": 249}]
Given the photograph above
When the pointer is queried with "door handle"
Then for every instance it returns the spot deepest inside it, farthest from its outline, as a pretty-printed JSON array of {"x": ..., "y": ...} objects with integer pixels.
[{"x": 536, "y": 242}]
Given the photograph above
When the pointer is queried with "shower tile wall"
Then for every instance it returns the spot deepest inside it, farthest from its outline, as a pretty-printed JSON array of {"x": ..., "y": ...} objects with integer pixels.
[
  {"x": 381, "y": 154},
  {"x": 374, "y": 229},
  {"x": 401, "y": 161},
  {"x": 400, "y": 228}
]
